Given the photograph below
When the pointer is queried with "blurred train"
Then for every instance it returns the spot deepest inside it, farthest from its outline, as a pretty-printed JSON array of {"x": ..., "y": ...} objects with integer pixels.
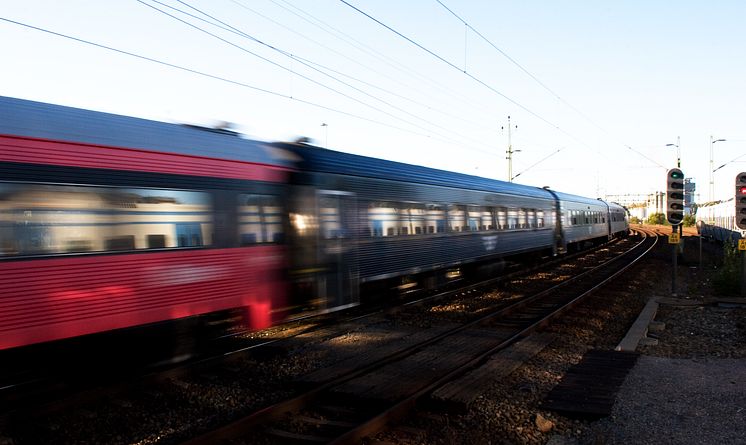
[
  {"x": 109, "y": 223},
  {"x": 717, "y": 221}
]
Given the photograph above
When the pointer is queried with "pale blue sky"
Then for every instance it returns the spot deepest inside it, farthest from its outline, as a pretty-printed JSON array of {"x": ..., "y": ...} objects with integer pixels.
[{"x": 629, "y": 74}]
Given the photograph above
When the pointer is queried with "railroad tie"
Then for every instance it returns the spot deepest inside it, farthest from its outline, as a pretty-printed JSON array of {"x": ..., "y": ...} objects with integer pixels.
[
  {"x": 461, "y": 393},
  {"x": 588, "y": 389}
]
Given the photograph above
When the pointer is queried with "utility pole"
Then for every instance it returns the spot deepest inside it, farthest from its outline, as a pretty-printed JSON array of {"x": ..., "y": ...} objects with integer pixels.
[{"x": 510, "y": 152}]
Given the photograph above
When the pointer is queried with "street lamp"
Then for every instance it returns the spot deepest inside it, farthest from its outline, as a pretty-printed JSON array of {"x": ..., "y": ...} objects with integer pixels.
[
  {"x": 712, "y": 169},
  {"x": 678, "y": 151}
]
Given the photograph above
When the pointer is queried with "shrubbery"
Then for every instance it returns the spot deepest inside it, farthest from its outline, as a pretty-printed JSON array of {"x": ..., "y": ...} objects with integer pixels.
[
  {"x": 656, "y": 218},
  {"x": 727, "y": 281},
  {"x": 660, "y": 219}
]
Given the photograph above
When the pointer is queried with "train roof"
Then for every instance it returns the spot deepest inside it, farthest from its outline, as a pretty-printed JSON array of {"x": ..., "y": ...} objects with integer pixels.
[
  {"x": 584, "y": 200},
  {"x": 319, "y": 159},
  {"x": 19, "y": 117}
]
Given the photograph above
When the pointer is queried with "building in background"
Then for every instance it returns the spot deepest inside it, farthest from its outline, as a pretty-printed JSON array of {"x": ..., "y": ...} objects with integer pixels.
[{"x": 644, "y": 205}]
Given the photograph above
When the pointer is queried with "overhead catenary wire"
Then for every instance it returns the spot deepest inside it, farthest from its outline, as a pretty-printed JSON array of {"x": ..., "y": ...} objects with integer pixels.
[
  {"x": 476, "y": 79},
  {"x": 543, "y": 85},
  {"x": 454, "y": 66},
  {"x": 367, "y": 67},
  {"x": 320, "y": 24},
  {"x": 212, "y": 76},
  {"x": 234, "y": 30}
]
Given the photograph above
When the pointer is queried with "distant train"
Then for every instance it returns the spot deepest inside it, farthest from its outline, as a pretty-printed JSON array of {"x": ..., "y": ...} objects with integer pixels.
[
  {"x": 110, "y": 223},
  {"x": 717, "y": 221}
]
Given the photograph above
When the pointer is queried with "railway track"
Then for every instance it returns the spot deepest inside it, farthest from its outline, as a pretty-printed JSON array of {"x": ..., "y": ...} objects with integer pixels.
[
  {"x": 355, "y": 402},
  {"x": 37, "y": 394},
  {"x": 316, "y": 329}
]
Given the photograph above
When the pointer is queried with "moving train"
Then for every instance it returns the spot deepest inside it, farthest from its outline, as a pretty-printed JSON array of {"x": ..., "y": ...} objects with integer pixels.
[{"x": 110, "y": 223}]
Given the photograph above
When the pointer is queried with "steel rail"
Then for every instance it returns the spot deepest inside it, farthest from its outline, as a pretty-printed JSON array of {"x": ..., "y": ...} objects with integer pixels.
[{"x": 243, "y": 426}]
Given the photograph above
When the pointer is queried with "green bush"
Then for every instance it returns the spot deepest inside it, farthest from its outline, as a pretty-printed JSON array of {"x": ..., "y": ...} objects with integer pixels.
[
  {"x": 635, "y": 220},
  {"x": 656, "y": 218},
  {"x": 689, "y": 220},
  {"x": 727, "y": 280}
]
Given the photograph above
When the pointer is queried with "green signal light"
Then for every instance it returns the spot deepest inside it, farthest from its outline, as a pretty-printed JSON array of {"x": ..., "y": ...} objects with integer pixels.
[{"x": 677, "y": 175}]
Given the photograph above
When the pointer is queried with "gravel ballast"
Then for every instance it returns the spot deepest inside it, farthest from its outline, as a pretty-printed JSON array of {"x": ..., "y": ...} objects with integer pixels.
[
  {"x": 680, "y": 401},
  {"x": 690, "y": 388}
]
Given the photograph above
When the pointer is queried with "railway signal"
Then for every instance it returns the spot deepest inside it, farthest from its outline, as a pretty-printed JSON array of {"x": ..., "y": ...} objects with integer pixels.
[
  {"x": 675, "y": 196},
  {"x": 741, "y": 200}
]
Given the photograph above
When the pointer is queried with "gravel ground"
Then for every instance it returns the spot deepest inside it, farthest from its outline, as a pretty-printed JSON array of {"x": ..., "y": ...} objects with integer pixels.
[
  {"x": 681, "y": 401},
  {"x": 690, "y": 388}
]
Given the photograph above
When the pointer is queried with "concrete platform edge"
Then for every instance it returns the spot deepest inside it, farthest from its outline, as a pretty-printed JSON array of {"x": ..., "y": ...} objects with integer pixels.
[{"x": 639, "y": 328}]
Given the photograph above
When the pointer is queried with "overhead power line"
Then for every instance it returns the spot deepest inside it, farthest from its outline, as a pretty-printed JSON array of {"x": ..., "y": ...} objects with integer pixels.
[
  {"x": 452, "y": 65},
  {"x": 367, "y": 67},
  {"x": 212, "y": 76},
  {"x": 229, "y": 28},
  {"x": 372, "y": 52},
  {"x": 543, "y": 85}
]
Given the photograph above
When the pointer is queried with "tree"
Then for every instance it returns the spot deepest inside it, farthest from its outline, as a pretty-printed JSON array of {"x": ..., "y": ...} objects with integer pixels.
[{"x": 656, "y": 218}]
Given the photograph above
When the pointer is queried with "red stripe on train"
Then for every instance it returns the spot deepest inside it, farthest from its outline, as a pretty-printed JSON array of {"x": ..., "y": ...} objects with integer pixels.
[
  {"x": 50, "y": 299},
  {"x": 40, "y": 151}
]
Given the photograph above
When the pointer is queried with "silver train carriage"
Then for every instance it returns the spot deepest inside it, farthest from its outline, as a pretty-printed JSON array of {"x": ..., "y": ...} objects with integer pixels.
[{"x": 360, "y": 224}]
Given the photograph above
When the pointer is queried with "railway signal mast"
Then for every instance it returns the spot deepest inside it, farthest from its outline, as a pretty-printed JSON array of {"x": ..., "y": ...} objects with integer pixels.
[
  {"x": 674, "y": 215},
  {"x": 675, "y": 196},
  {"x": 740, "y": 200}
]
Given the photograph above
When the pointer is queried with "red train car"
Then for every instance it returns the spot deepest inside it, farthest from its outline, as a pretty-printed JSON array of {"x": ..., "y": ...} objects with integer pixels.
[{"x": 110, "y": 222}]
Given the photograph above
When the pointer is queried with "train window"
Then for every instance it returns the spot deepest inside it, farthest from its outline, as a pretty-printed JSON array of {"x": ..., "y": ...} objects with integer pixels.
[
  {"x": 502, "y": 218},
  {"x": 125, "y": 242},
  {"x": 457, "y": 218},
  {"x": 474, "y": 218},
  {"x": 188, "y": 235},
  {"x": 512, "y": 219},
  {"x": 330, "y": 218},
  {"x": 531, "y": 218},
  {"x": 259, "y": 220},
  {"x": 383, "y": 218},
  {"x": 574, "y": 217},
  {"x": 435, "y": 218},
  {"x": 522, "y": 219},
  {"x": 488, "y": 219},
  {"x": 412, "y": 219},
  {"x": 156, "y": 241},
  {"x": 51, "y": 219},
  {"x": 539, "y": 218}
]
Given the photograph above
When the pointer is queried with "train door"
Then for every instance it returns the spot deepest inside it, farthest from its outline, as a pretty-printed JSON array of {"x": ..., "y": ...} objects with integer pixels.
[{"x": 337, "y": 248}]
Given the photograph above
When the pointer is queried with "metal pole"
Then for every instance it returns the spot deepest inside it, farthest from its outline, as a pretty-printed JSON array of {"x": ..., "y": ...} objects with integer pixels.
[
  {"x": 711, "y": 196},
  {"x": 510, "y": 155},
  {"x": 743, "y": 274},
  {"x": 674, "y": 265},
  {"x": 700, "y": 252}
]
